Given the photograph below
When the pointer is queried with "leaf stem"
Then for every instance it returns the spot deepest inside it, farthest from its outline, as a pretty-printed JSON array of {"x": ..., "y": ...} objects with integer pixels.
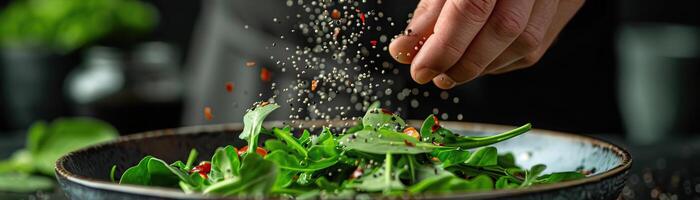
[
  {"x": 191, "y": 158},
  {"x": 473, "y": 142},
  {"x": 387, "y": 171}
]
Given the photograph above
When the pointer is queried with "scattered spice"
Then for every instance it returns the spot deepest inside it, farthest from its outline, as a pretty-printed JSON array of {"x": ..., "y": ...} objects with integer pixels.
[
  {"x": 373, "y": 42},
  {"x": 250, "y": 63},
  {"x": 410, "y": 144},
  {"x": 410, "y": 131},
  {"x": 259, "y": 150},
  {"x": 207, "y": 113},
  {"x": 335, "y": 14},
  {"x": 436, "y": 125},
  {"x": 314, "y": 84},
  {"x": 264, "y": 74},
  {"x": 357, "y": 173},
  {"x": 387, "y": 111},
  {"x": 229, "y": 87},
  {"x": 203, "y": 169},
  {"x": 362, "y": 18}
]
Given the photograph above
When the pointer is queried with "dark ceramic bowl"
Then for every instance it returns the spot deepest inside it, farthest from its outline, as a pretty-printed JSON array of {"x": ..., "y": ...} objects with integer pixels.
[{"x": 84, "y": 174}]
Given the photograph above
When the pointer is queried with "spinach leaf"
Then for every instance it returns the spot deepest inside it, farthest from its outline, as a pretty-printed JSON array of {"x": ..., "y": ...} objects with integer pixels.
[
  {"x": 190, "y": 159},
  {"x": 382, "y": 118},
  {"x": 224, "y": 164},
  {"x": 382, "y": 141},
  {"x": 24, "y": 183},
  {"x": 154, "y": 172},
  {"x": 487, "y": 156},
  {"x": 257, "y": 179},
  {"x": 426, "y": 130},
  {"x": 559, "y": 177},
  {"x": 450, "y": 183},
  {"x": 450, "y": 157},
  {"x": 507, "y": 160},
  {"x": 252, "y": 123},
  {"x": 507, "y": 182},
  {"x": 532, "y": 174},
  {"x": 473, "y": 142}
]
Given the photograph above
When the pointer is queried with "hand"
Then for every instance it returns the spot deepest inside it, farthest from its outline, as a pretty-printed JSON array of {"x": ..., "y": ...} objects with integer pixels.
[{"x": 454, "y": 41}]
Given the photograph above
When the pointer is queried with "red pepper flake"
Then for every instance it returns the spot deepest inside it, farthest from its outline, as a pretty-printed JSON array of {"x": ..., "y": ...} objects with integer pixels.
[
  {"x": 314, "y": 84},
  {"x": 436, "y": 124},
  {"x": 387, "y": 111},
  {"x": 407, "y": 143},
  {"x": 435, "y": 159},
  {"x": 357, "y": 173},
  {"x": 207, "y": 113},
  {"x": 265, "y": 74},
  {"x": 410, "y": 131},
  {"x": 362, "y": 18},
  {"x": 373, "y": 42},
  {"x": 229, "y": 87},
  {"x": 335, "y": 14},
  {"x": 263, "y": 103},
  {"x": 203, "y": 169},
  {"x": 259, "y": 150},
  {"x": 250, "y": 63},
  {"x": 336, "y": 32},
  {"x": 438, "y": 144}
]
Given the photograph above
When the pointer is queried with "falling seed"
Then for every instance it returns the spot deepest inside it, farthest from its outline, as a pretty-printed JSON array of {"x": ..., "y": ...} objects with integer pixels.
[
  {"x": 229, "y": 87},
  {"x": 207, "y": 113},
  {"x": 250, "y": 63},
  {"x": 264, "y": 74}
]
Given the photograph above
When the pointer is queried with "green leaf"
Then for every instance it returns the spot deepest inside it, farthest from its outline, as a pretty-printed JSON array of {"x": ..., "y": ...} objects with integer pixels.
[
  {"x": 64, "y": 135},
  {"x": 381, "y": 118},
  {"x": 449, "y": 183},
  {"x": 257, "y": 179},
  {"x": 507, "y": 182},
  {"x": 559, "y": 177},
  {"x": 487, "y": 156},
  {"x": 450, "y": 157},
  {"x": 289, "y": 162},
  {"x": 473, "y": 142},
  {"x": 23, "y": 183},
  {"x": 287, "y": 137},
  {"x": 383, "y": 141},
  {"x": 154, "y": 172},
  {"x": 507, "y": 160},
  {"x": 112, "y": 172},
  {"x": 224, "y": 164},
  {"x": 252, "y": 123},
  {"x": 426, "y": 130},
  {"x": 532, "y": 175},
  {"x": 191, "y": 159}
]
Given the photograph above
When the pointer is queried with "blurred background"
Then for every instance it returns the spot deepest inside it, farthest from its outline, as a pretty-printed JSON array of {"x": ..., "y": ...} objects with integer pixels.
[{"x": 624, "y": 70}]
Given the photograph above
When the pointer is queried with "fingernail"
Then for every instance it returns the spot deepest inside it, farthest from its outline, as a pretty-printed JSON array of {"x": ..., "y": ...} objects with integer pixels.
[
  {"x": 424, "y": 76},
  {"x": 445, "y": 82}
]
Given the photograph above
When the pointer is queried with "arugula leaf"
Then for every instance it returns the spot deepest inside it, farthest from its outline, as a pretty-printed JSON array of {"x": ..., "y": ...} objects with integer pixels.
[
  {"x": 426, "y": 130},
  {"x": 532, "y": 174},
  {"x": 487, "y": 156},
  {"x": 383, "y": 140},
  {"x": 450, "y": 157},
  {"x": 252, "y": 123},
  {"x": 286, "y": 161},
  {"x": 287, "y": 137},
  {"x": 257, "y": 180},
  {"x": 507, "y": 160}
]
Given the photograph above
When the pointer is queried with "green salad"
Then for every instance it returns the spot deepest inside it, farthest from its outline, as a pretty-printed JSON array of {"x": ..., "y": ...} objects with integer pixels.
[{"x": 380, "y": 155}]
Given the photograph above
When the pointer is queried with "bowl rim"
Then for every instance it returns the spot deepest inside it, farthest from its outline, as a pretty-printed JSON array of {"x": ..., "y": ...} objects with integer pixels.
[{"x": 623, "y": 167}]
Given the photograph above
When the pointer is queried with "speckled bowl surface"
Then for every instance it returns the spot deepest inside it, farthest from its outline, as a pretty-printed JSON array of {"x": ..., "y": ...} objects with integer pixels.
[{"x": 84, "y": 174}]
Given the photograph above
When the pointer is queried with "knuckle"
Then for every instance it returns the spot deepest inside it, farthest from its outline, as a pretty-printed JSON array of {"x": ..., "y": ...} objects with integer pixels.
[
  {"x": 529, "y": 41},
  {"x": 452, "y": 49},
  {"x": 509, "y": 23},
  {"x": 474, "y": 10},
  {"x": 422, "y": 7},
  {"x": 531, "y": 60},
  {"x": 466, "y": 70}
]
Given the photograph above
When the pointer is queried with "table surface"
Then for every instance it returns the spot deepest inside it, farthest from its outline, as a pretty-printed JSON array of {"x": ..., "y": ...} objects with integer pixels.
[{"x": 669, "y": 170}]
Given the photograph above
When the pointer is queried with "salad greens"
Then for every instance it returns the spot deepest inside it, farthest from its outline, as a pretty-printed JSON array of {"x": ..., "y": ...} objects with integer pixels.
[
  {"x": 29, "y": 169},
  {"x": 379, "y": 155}
]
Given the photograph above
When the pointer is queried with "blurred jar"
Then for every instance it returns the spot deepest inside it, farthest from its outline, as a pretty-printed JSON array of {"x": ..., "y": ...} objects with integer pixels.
[
  {"x": 99, "y": 76},
  {"x": 658, "y": 67},
  {"x": 154, "y": 74}
]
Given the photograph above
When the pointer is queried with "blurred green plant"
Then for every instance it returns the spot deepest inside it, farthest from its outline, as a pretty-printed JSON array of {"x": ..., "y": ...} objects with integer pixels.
[
  {"x": 45, "y": 144},
  {"x": 65, "y": 25}
]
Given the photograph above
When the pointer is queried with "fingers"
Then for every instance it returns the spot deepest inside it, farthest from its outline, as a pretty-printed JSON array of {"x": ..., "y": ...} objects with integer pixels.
[
  {"x": 532, "y": 38},
  {"x": 506, "y": 23},
  {"x": 565, "y": 11},
  {"x": 459, "y": 22},
  {"x": 405, "y": 47}
]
